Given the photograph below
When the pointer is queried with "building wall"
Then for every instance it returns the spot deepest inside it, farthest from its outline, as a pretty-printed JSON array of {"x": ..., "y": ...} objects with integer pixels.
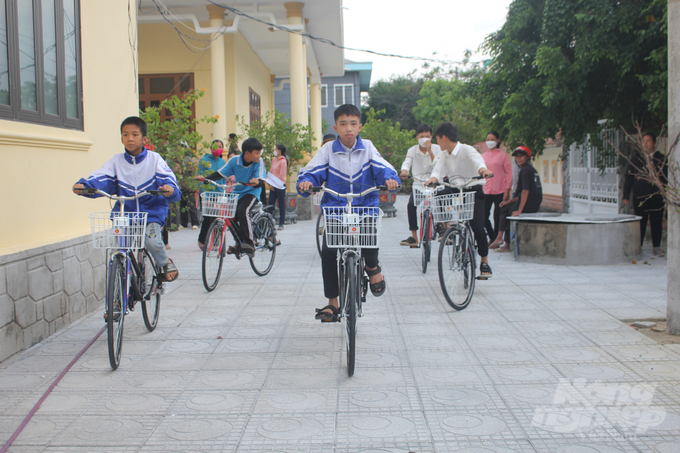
[
  {"x": 48, "y": 273},
  {"x": 161, "y": 51},
  {"x": 249, "y": 72},
  {"x": 549, "y": 168}
]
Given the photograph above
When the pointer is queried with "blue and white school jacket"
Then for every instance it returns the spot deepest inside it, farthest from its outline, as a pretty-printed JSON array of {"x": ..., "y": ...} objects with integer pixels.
[
  {"x": 127, "y": 175},
  {"x": 341, "y": 169},
  {"x": 244, "y": 174}
]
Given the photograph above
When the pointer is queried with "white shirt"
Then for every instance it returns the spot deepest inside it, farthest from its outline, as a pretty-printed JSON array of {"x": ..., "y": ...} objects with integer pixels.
[
  {"x": 463, "y": 161},
  {"x": 421, "y": 164}
]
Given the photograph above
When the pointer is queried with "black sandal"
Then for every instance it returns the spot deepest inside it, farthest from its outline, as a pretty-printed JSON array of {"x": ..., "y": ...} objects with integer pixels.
[
  {"x": 325, "y": 316},
  {"x": 377, "y": 289},
  {"x": 485, "y": 271}
]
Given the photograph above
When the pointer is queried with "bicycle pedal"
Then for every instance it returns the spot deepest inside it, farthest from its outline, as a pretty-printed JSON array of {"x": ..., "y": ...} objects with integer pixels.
[{"x": 481, "y": 278}]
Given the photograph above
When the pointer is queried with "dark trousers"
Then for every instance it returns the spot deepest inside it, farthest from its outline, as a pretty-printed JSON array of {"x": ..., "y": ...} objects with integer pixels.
[
  {"x": 654, "y": 213},
  {"x": 187, "y": 206},
  {"x": 495, "y": 201},
  {"x": 329, "y": 267},
  {"x": 243, "y": 219},
  {"x": 412, "y": 214},
  {"x": 280, "y": 196},
  {"x": 477, "y": 222},
  {"x": 205, "y": 226}
]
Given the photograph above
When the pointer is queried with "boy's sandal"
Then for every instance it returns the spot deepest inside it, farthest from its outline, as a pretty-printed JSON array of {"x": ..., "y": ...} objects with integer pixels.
[
  {"x": 280, "y": 228},
  {"x": 485, "y": 271},
  {"x": 377, "y": 289},
  {"x": 327, "y": 316},
  {"x": 231, "y": 250},
  {"x": 170, "y": 272}
]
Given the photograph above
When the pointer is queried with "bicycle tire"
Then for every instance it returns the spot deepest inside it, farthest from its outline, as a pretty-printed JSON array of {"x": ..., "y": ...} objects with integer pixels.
[
  {"x": 425, "y": 242},
  {"x": 319, "y": 232},
  {"x": 353, "y": 297},
  {"x": 151, "y": 296},
  {"x": 264, "y": 236},
  {"x": 115, "y": 310},
  {"x": 457, "y": 267},
  {"x": 213, "y": 256}
]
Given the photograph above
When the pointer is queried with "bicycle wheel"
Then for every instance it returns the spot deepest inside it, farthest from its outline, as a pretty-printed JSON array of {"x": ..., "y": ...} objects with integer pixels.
[
  {"x": 115, "y": 310},
  {"x": 264, "y": 236},
  {"x": 425, "y": 242},
  {"x": 151, "y": 296},
  {"x": 457, "y": 267},
  {"x": 319, "y": 232},
  {"x": 213, "y": 256},
  {"x": 353, "y": 295}
]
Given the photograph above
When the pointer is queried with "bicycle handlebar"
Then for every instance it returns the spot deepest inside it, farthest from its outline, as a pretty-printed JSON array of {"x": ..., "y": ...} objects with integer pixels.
[
  {"x": 456, "y": 186},
  {"x": 315, "y": 189},
  {"x": 88, "y": 190},
  {"x": 225, "y": 186}
]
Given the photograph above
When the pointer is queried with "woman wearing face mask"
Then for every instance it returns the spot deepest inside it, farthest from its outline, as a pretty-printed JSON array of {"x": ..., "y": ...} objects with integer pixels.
[
  {"x": 496, "y": 189},
  {"x": 279, "y": 168},
  {"x": 208, "y": 165}
]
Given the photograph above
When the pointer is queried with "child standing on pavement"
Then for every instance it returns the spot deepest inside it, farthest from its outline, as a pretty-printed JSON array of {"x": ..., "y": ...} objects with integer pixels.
[
  {"x": 347, "y": 164},
  {"x": 134, "y": 171}
]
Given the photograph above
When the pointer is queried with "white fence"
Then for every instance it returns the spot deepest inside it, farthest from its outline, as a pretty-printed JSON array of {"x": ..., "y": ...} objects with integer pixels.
[{"x": 592, "y": 191}]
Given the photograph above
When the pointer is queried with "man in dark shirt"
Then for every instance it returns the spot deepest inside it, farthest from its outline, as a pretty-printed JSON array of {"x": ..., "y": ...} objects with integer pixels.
[
  {"x": 527, "y": 198},
  {"x": 648, "y": 201}
]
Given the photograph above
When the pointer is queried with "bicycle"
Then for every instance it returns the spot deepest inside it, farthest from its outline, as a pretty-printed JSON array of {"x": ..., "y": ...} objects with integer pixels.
[
  {"x": 351, "y": 228},
  {"x": 223, "y": 207},
  {"x": 456, "y": 259},
  {"x": 132, "y": 273},
  {"x": 422, "y": 200}
]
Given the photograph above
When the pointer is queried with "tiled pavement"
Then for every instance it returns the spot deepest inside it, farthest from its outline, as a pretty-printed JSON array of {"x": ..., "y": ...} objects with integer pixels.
[{"x": 537, "y": 363}]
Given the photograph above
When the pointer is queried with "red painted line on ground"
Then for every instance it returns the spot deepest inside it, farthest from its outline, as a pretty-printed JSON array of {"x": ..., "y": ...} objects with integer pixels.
[{"x": 47, "y": 393}]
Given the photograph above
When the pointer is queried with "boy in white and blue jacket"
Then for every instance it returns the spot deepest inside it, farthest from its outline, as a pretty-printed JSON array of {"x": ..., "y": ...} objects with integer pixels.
[
  {"x": 348, "y": 163},
  {"x": 132, "y": 172}
]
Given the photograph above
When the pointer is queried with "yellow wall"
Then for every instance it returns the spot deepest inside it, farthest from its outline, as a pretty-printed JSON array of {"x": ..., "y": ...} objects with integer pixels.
[
  {"x": 39, "y": 164},
  {"x": 552, "y": 183},
  {"x": 161, "y": 51}
]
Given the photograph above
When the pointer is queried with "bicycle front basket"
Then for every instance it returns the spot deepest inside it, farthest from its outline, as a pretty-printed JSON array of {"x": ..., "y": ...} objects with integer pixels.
[
  {"x": 359, "y": 228},
  {"x": 218, "y": 204},
  {"x": 113, "y": 230},
  {"x": 453, "y": 207},
  {"x": 421, "y": 194}
]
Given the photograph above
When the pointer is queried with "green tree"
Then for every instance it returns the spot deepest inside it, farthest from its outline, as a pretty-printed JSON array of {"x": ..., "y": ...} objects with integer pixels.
[
  {"x": 560, "y": 66},
  {"x": 274, "y": 128},
  {"x": 177, "y": 139},
  {"x": 389, "y": 138},
  {"x": 395, "y": 98}
]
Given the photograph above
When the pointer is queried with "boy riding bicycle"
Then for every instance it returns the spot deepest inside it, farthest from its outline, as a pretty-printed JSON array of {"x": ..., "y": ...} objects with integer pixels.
[
  {"x": 248, "y": 167},
  {"x": 347, "y": 164},
  {"x": 458, "y": 159},
  {"x": 134, "y": 171}
]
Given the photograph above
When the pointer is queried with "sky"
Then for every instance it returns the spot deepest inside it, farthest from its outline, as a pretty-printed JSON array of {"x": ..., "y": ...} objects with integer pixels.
[{"x": 418, "y": 28}]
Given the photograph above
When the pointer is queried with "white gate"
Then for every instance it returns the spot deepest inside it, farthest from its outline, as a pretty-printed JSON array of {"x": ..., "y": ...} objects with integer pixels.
[{"x": 590, "y": 190}]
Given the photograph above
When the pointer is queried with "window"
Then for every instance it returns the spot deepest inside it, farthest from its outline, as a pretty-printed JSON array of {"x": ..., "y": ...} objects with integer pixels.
[
  {"x": 324, "y": 96},
  {"x": 40, "y": 76},
  {"x": 255, "y": 112},
  {"x": 154, "y": 88},
  {"x": 344, "y": 94}
]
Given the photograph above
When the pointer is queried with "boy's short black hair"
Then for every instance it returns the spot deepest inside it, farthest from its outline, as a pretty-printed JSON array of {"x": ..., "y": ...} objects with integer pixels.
[
  {"x": 650, "y": 135},
  {"x": 281, "y": 148},
  {"x": 423, "y": 128},
  {"x": 346, "y": 109},
  {"x": 448, "y": 130},
  {"x": 232, "y": 135},
  {"x": 135, "y": 121},
  {"x": 251, "y": 144}
]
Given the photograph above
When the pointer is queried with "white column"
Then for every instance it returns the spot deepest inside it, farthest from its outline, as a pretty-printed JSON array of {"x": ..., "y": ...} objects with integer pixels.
[
  {"x": 298, "y": 73},
  {"x": 218, "y": 75},
  {"x": 315, "y": 99},
  {"x": 673, "y": 252}
]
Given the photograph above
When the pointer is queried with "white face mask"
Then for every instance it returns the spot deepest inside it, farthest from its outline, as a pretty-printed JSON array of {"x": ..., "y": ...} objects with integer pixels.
[
  {"x": 491, "y": 145},
  {"x": 423, "y": 141},
  {"x": 276, "y": 153}
]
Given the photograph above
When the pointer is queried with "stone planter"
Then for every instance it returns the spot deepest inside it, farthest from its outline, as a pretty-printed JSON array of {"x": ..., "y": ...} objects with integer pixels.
[{"x": 387, "y": 201}]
